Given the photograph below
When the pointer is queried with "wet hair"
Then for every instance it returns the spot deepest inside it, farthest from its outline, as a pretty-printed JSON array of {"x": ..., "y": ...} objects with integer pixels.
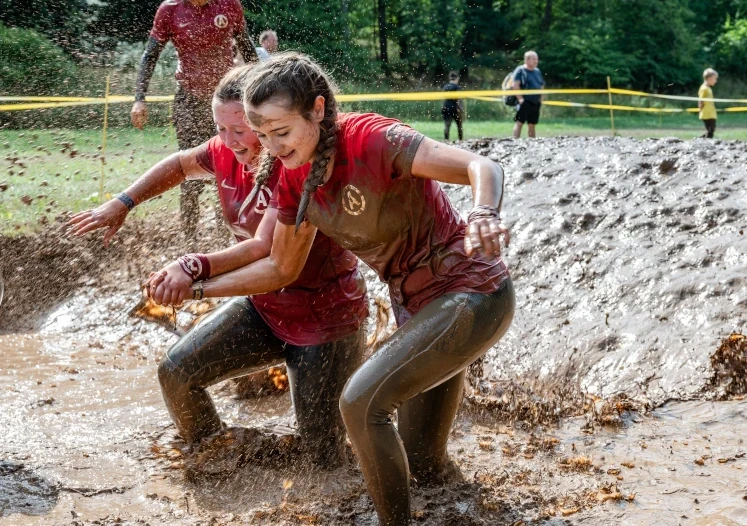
[
  {"x": 231, "y": 86},
  {"x": 231, "y": 89},
  {"x": 296, "y": 81},
  {"x": 709, "y": 72}
]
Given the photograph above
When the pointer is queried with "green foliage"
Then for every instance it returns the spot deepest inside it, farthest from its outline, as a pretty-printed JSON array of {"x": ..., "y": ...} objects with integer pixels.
[
  {"x": 31, "y": 65},
  {"x": 660, "y": 45},
  {"x": 315, "y": 27},
  {"x": 730, "y": 50}
]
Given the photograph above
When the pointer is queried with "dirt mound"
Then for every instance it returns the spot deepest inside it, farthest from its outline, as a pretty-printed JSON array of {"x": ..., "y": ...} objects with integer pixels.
[
  {"x": 41, "y": 270},
  {"x": 629, "y": 261}
]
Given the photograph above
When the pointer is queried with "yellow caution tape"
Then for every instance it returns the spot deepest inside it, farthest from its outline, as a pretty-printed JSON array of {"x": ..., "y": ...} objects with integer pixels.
[
  {"x": 33, "y": 102},
  {"x": 617, "y": 91},
  {"x": 441, "y": 95},
  {"x": 616, "y": 107},
  {"x": 74, "y": 101}
]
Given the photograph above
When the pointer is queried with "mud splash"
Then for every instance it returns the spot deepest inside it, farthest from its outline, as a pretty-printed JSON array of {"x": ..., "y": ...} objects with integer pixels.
[{"x": 628, "y": 258}]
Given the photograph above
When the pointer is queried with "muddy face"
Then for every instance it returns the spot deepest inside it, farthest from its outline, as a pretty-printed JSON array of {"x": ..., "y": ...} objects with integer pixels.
[
  {"x": 286, "y": 133},
  {"x": 234, "y": 130}
]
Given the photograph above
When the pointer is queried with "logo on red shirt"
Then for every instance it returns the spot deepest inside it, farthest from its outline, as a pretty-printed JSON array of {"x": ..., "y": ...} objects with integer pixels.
[
  {"x": 263, "y": 200},
  {"x": 352, "y": 200},
  {"x": 220, "y": 21}
]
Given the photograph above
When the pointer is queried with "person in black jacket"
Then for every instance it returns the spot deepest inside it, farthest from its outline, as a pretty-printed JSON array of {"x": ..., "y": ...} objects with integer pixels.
[{"x": 453, "y": 109}]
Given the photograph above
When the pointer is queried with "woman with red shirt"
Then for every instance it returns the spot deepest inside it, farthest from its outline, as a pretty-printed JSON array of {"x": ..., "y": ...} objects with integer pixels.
[
  {"x": 370, "y": 184},
  {"x": 314, "y": 323}
]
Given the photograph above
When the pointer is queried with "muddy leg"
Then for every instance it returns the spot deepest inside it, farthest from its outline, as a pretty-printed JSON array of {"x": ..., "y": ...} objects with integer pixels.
[
  {"x": 317, "y": 376},
  {"x": 424, "y": 423},
  {"x": 232, "y": 341},
  {"x": 193, "y": 123},
  {"x": 438, "y": 343}
]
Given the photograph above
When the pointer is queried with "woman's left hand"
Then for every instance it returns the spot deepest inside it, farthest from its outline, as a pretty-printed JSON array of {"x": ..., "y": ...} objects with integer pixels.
[
  {"x": 484, "y": 236},
  {"x": 170, "y": 285}
]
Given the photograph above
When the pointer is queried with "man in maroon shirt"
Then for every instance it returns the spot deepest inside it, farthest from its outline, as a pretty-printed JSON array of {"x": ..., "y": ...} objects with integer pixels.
[{"x": 202, "y": 32}]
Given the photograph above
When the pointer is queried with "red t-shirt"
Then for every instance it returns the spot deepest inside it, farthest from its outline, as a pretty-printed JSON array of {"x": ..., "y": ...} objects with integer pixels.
[
  {"x": 403, "y": 226},
  {"x": 328, "y": 300},
  {"x": 203, "y": 38}
]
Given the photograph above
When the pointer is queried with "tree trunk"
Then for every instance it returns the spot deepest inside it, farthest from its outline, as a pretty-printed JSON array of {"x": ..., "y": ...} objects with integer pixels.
[
  {"x": 383, "y": 54},
  {"x": 547, "y": 17},
  {"x": 345, "y": 9}
]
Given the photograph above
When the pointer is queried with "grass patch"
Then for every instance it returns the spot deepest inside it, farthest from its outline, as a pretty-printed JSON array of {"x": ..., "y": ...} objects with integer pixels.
[
  {"x": 46, "y": 173},
  {"x": 50, "y": 172}
]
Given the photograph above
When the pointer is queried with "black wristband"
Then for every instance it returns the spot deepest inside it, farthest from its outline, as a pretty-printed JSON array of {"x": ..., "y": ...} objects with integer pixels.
[
  {"x": 139, "y": 97},
  {"x": 125, "y": 200}
]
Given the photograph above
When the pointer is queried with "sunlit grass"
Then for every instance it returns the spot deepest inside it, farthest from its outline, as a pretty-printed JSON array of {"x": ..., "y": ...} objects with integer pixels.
[{"x": 43, "y": 179}]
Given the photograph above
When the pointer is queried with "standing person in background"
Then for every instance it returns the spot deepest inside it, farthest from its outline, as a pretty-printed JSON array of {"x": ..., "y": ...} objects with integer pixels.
[
  {"x": 452, "y": 109},
  {"x": 268, "y": 42},
  {"x": 202, "y": 32},
  {"x": 708, "y": 108},
  {"x": 528, "y": 76}
]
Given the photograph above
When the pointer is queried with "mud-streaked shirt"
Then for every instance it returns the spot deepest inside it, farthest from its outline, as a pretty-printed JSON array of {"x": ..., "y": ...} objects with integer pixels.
[
  {"x": 328, "y": 300},
  {"x": 709, "y": 108},
  {"x": 203, "y": 38},
  {"x": 402, "y": 226}
]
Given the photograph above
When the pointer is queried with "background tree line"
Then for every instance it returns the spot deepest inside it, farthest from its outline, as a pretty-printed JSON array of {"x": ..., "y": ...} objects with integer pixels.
[{"x": 659, "y": 45}]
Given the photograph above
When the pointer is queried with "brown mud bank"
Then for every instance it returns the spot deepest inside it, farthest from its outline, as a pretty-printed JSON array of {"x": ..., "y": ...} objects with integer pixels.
[{"x": 628, "y": 259}]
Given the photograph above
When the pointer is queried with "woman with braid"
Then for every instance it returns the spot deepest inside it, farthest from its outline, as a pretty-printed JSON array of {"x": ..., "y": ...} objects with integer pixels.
[
  {"x": 370, "y": 184},
  {"x": 314, "y": 323}
]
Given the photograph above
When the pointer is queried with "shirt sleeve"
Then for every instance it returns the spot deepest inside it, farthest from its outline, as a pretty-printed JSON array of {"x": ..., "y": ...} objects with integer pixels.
[
  {"x": 161, "y": 30},
  {"x": 518, "y": 75},
  {"x": 206, "y": 158},
  {"x": 398, "y": 148}
]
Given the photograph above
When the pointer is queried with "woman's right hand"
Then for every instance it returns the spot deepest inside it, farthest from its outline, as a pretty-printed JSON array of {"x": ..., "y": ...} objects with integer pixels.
[{"x": 111, "y": 215}]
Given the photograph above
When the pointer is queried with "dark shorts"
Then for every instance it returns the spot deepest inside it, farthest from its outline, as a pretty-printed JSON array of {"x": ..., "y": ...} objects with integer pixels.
[{"x": 529, "y": 112}]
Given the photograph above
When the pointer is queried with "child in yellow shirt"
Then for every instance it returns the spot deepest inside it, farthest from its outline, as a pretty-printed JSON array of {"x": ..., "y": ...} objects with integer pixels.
[{"x": 708, "y": 108}]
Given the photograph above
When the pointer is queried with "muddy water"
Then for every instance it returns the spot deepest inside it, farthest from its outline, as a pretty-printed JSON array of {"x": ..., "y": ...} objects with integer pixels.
[
  {"x": 628, "y": 258},
  {"x": 82, "y": 423}
]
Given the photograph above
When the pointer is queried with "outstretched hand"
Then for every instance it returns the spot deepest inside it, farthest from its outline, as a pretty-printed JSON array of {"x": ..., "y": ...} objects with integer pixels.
[
  {"x": 111, "y": 215},
  {"x": 170, "y": 285},
  {"x": 484, "y": 236}
]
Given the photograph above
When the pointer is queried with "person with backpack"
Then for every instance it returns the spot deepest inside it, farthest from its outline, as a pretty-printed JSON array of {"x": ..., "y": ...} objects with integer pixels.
[
  {"x": 527, "y": 77},
  {"x": 452, "y": 110}
]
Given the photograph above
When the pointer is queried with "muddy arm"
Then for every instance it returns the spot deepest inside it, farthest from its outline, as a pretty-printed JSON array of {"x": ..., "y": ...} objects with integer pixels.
[
  {"x": 246, "y": 48},
  {"x": 245, "y": 252},
  {"x": 148, "y": 62},
  {"x": 281, "y": 268},
  {"x": 163, "y": 176},
  {"x": 448, "y": 164}
]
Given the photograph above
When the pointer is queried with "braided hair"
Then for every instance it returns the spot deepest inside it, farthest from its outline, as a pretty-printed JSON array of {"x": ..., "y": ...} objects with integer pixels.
[{"x": 297, "y": 80}]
